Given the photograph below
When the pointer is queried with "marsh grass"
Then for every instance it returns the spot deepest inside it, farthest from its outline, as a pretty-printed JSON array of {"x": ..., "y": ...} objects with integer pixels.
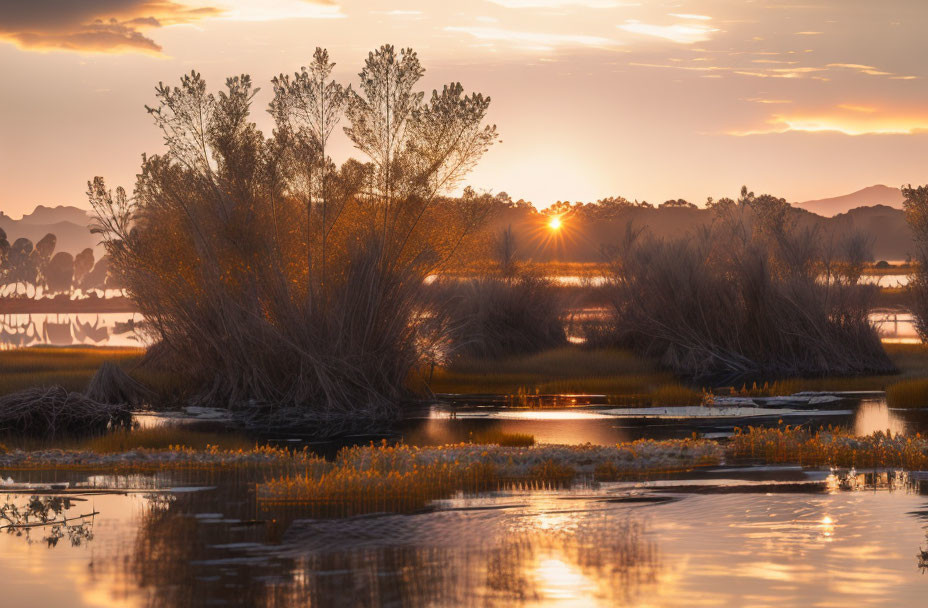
[
  {"x": 908, "y": 394},
  {"x": 567, "y": 371},
  {"x": 164, "y": 438},
  {"x": 71, "y": 368},
  {"x": 401, "y": 478},
  {"x": 503, "y": 439},
  {"x": 831, "y": 447}
]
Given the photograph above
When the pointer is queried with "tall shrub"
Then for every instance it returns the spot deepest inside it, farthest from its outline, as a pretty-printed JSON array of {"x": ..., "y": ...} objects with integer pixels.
[
  {"x": 752, "y": 296},
  {"x": 279, "y": 284}
]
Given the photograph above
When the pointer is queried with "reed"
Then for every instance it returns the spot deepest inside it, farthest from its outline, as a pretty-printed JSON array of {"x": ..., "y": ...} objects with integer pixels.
[
  {"x": 831, "y": 447},
  {"x": 402, "y": 478},
  {"x": 908, "y": 393}
]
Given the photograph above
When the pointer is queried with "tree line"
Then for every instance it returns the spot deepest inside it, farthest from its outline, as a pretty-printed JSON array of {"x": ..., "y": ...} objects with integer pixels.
[{"x": 25, "y": 265}]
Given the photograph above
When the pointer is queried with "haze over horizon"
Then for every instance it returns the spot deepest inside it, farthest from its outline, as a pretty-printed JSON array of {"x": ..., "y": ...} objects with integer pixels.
[{"x": 805, "y": 100}]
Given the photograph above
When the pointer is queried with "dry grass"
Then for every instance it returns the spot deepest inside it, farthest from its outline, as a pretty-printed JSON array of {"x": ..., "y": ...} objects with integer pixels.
[
  {"x": 71, "y": 368},
  {"x": 834, "y": 447},
  {"x": 500, "y": 438},
  {"x": 908, "y": 393},
  {"x": 165, "y": 438},
  {"x": 404, "y": 479}
]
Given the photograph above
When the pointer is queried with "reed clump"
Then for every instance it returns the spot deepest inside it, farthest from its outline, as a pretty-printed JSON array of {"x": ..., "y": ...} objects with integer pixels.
[
  {"x": 751, "y": 296},
  {"x": 282, "y": 286},
  {"x": 111, "y": 385},
  {"x": 832, "y": 447},
  {"x": 908, "y": 393},
  {"x": 55, "y": 411},
  {"x": 164, "y": 438},
  {"x": 403, "y": 478}
]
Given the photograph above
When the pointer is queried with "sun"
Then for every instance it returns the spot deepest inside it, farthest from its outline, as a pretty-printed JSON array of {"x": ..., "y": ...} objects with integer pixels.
[{"x": 555, "y": 223}]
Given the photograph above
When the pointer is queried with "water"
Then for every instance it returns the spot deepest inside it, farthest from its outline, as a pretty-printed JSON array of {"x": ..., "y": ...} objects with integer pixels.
[
  {"x": 726, "y": 536},
  {"x": 88, "y": 329},
  {"x": 606, "y": 424}
]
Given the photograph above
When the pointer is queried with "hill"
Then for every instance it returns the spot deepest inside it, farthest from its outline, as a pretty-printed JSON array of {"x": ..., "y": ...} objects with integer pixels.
[{"x": 873, "y": 195}]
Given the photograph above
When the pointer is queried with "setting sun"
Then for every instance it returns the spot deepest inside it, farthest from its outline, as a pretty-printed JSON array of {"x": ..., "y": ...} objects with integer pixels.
[{"x": 555, "y": 223}]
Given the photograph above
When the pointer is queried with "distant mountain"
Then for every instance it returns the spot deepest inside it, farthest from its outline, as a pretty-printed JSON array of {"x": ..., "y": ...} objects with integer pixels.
[
  {"x": 868, "y": 197},
  {"x": 68, "y": 224},
  {"x": 53, "y": 215}
]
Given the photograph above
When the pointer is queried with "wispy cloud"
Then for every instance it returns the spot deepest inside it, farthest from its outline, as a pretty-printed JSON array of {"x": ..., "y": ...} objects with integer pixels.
[
  {"x": 848, "y": 119},
  {"x": 532, "y": 40},
  {"x": 691, "y": 16},
  {"x": 681, "y": 33},
  {"x": 563, "y": 3}
]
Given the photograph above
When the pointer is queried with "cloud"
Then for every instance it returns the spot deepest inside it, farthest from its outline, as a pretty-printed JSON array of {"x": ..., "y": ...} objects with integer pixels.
[
  {"x": 690, "y": 16},
  {"x": 116, "y": 26},
  {"x": 849, "y": 119},
  {"x": 682, "y": 33},
  {"x": 532, "y": 40},
  {"x": 95, "y": 26},
  {"x": 563, "y": 3}
]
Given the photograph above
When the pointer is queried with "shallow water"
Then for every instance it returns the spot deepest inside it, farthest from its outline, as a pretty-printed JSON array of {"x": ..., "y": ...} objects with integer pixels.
[
  {"x": 725, "y": 536},
  {"x": 70, "y": 329},
  {"x": 462, "y": 418}
]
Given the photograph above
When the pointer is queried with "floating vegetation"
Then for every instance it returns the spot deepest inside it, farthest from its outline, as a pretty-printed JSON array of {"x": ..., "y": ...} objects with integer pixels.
[
  {"x": 267, "y": 458},
  {"x": 832, "y": 447},
  {"x": 403, "y": 478}
]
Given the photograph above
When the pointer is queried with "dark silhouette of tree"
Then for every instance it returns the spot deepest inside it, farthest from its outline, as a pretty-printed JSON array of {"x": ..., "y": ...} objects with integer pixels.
[
  {"x": 915, "y": 207},
  {"x": 83, "y": 264},
  {"x": 4, "y": 257},
  {"x": 42, "y": 253},
  {"x": 22, "y": 269},
  {"x": 59, "y": 273},
  {"x": 676, "y": 204}
]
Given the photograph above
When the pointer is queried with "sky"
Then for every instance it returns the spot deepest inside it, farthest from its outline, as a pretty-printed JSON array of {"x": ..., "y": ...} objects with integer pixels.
[{"x": 649, "y": 100}]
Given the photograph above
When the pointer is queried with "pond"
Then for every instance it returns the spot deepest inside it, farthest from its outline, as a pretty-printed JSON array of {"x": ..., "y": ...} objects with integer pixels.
[
  {"x": 720, "y": 536},
  {"x": 123, "y": 328},
  {"x": 66, "y": 329}
]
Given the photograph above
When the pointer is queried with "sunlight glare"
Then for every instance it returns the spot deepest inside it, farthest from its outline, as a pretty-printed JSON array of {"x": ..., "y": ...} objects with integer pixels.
[{"x": 555, "y": 223}]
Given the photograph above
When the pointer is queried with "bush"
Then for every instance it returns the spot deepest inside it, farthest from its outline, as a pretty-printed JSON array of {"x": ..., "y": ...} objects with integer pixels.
[
  {"x": 494, "y": 317},
  {"x": 752, "y": 296},
  {"x": 280, "y": 285}
]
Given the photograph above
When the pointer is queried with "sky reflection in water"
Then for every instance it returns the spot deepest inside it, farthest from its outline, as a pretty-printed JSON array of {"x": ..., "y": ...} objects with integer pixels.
[{"x": 839, "y": 543}]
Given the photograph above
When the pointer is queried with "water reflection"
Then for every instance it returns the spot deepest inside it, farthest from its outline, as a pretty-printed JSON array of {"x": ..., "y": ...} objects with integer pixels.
[
  {"x": 874, "y": 415},
  {"x": 592, "y": 546},
  {"x": 103, "y": 329}
]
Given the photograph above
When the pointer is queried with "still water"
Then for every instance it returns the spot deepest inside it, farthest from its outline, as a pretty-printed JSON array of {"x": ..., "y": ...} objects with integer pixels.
[
  {"x": 731, "y": 535},
  {"x": 125, "y": 329},
  {"x": 723, "y": 537},
  {"x": 87, "y": 329}
]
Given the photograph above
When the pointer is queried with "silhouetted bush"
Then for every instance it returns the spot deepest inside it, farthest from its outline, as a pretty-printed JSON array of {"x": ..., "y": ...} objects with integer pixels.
[
  {"x": 281, "y": 286},
  {"x": 749, "y": 297}
]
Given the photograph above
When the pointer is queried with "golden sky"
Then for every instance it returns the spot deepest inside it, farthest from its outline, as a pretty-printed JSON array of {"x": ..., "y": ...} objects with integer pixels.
[{"x": 649, "y": 99}]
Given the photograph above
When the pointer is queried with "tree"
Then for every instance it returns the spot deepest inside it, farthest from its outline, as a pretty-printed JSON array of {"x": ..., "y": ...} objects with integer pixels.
[
  {"x": 22, "y": 269},
  {"x": 83, "y": 264},
  {"x": 43, "y": 255},
  {"x": 915, "y": 207},
  {"x": 306, "y": 111},
  {"x": 4, "y": 257},
  {"x": 59, "y": 273},
  {"x": 291, "y": 293}
]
